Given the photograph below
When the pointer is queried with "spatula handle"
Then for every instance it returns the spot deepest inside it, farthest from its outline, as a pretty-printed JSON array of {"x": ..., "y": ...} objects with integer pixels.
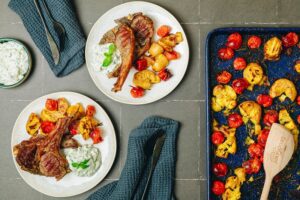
[{"x": 266, "y": 189}]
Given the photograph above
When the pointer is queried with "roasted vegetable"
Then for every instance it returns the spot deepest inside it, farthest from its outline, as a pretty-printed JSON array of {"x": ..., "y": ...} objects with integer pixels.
[
  {"x": 254, "y": 74},
  {"x": 76, "y": 111},
  {"x": 86, "y": 126},
  {"x": 51, "y": 116},
  {"x": 297, "y": 67},
  {"x": 272, "y": 49},
  {"x": 145, "y": 79},
  {"x": 241, "y": 174},
  {"x": 229, "y": 146},
  {"x": 283, "y": 88},
  {"x": 155, "y": 49},
  {"x": 63, "y": 105},
  {"x": 233, "y": 189},
  {"x": 33, "y": 124},
  {"x": 170, "y": 41},
  {"x": 251, "y": 111},
  {"x": 286, "y": 120},
  {"x": 160, "y": 63},
  {"x": 224, "y": 98}
]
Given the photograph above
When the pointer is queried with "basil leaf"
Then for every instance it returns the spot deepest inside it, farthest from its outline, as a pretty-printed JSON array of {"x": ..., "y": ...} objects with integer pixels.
[
  {"x": 107, "y": 61},
  {"x": 111, "y": 49},
  {"x": 107, "y": 54},
  {"x": 75, "y": 165},
  {"x": 84, "y": 166},
  {"x": 85, "y": 161}
]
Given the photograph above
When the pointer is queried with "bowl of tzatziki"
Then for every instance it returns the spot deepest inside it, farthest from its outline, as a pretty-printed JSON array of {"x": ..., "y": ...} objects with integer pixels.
[{"x": 15, "y": 63}]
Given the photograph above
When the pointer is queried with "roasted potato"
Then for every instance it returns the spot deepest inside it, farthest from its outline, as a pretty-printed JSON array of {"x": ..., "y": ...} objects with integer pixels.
[
  {"x": 179, "y": 37},
  {"x": 241, "y": 174},
  {"x": 145, "y": 79},
  {"x": 33, "y": 124},
  {"x": 272, "y": 49},
  {"x": 155, "y": 49},
  {"x": 224, "y": 98},
  {"x": 286, "y": 120},
  {"x": 229, "y": 146},
  {"x": 76, "y": 111},
  {"x": 63, "y": 105},
  {"x": 86, "y": 126},
  {"x": 170, "y": 41},
  {"x": 283, "y": 88},
  {"x": 254, "y": 74},
  {"x": 160, "y": 63},
  {"x": 297, "y": 67},
  {"x": 52, "y": 116},
  {"x": 251, "y": 111},
  {"x": 233, "y": 189}
]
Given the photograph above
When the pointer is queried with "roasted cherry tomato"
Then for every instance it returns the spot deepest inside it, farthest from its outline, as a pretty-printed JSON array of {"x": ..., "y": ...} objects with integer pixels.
[
  {"x": 173, "y": 55},
  {"x": 298, "y": 100},
  {"x": 223, "y": 77},
  {"x": 265, "y": 100},
  {"x": 51, "y": 104},
  {"x": 73, "y": 127},
  {"x": 163, "y": 31},
  {"x": 90, "y": 110},
  {"x": 239, "y": 63},
  {"x": 234, "y": 41},
  {"x": 96, "y": 135},
  {"x": 239, "y": 85},
  {"x": 141, "y": 64},
  {"x": 164, "y": 74},
  {"x": 137, "y": 92},
  {"x": 262, "y": 137},
  {"x": 270, "y": 117},
  {"x": 252, "y": 166},
  {"x": 47, "y": 126},
  {"x": 218, "y": 187},
  {"x": 255, "y": 150},
  {"x": 298, "y": 119},
  {"x": 290, "y": 39},
  {"x": 254, "y": 42},
  {"x": 220, "y": 169},
  {"x": 217, "y": 137},
  {"x": 234, "y": 120},
  {"x": 225, "y": 53}
]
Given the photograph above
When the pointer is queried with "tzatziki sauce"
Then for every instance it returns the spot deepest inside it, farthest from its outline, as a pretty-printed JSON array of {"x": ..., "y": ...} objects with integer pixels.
[{"x": 13, "y": 62}]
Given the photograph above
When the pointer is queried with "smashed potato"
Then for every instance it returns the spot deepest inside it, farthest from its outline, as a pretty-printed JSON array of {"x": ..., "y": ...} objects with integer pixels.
[
  {"x": 155, "y": 49},
  {"x": 224, "y": 98},
  {"x": 160, "y": 63},
  {"x": 272, "y": 49},
  {"x": 33, "y": 124},
  {"x": 283, "y": 88},
  {"x": 229, "y": 146},
  {"x": 86, "y": 126},
  {"x": 145, "y": 79},
  {"x": 254, "y": 74},
  {"x": 170, "y": 41},
  {"x": 233, "y": 188},
  {"x": 251, "y": 111},
  {"x": 76, "y": 111},
  {"x": 52, "y": 116},
  {"x": 63, "y": 105},
  {"x": 286, "y": 120},
  {"x": 241, "y": 174}
]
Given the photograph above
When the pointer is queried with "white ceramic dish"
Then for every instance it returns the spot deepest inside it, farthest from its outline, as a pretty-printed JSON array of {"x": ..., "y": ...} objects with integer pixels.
[
  {"x": 70, "y": 184},
  {"x": 160, "y": 16}
]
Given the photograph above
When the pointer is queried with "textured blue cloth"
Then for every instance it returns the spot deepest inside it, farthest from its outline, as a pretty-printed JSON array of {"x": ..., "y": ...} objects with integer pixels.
[
  {"x": 132, "y": 181},
  {"x": 72, "y": 52}
]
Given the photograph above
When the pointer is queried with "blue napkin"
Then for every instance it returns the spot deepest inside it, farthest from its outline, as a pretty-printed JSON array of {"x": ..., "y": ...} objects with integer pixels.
[
  {"x": 72, "y": 51},
  {"x": 134, "y": 175}
]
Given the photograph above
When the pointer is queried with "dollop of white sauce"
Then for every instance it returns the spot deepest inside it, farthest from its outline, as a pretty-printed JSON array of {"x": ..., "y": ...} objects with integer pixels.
[
  {"x": 13, "y": 62},
  {"x": 81, "y": 154},
  {"x": 99, "y": 57}
]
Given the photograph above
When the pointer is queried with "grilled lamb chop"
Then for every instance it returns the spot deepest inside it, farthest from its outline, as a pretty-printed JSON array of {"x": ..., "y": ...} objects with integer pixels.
[
  {"x": 68, "y": 142},
  {"x": 125, "y": 42},
  {"x": 41, "y": 155}
]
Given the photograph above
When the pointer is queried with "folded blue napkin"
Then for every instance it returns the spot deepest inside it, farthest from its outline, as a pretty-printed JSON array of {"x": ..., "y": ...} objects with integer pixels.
[
  {"x": 72, "y": 51},
  {"x": 132, "y": 181}
]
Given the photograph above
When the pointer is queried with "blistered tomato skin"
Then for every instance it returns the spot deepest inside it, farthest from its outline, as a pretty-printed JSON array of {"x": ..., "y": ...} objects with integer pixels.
[
  {"x": 252, "y": 166},
  {"x": 218, "y": 187},
  {"x": 270, "y": 117},
  {"x": 220, "y": 169},
  {"x": 235, "y": 120},
  {"x": 290, "y": 39},
  {"x": 234, "y": 41},
  {"x": 137, "y": 92},
  {"x": 254, "y": 42},
  {"x": 262, "y": 137},
  {"x": 225, "y": 53},
  {"x": 239, "y": 85},
  {"x": 239, "y": 63},
  {"x": 224, "y": 77},
  {"x": 265, "y": 100},
  {"x": 298, "y": 100},
  {"x": 255, "y": 150},
  {"x": 217, "y": 137}
]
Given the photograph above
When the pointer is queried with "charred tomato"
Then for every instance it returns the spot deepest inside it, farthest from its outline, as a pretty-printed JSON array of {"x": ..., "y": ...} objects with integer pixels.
[
  {"x": 225, "y": 53},
  {"x": 262, "y": 137},
  {"x": 254, "y": 42},
  {"x": 234, "y": 41},
  {"x": 220, "y": 169},
  {"x": 224, "y": 77},
  {"x": 239, "y": 85},
  {"x": 239, "y": 63},
  {"x": 270, "y": 117},
  {"x": 252, "y": 166},
  {"x": 217, "y": 137},
  {"x": 265, "y": 100},
  {"x": 234, "y": 120},
  {"x": 290, "y": 39}
]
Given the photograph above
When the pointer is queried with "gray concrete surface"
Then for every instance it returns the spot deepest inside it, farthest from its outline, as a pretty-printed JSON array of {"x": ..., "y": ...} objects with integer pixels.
[{"x": 186, "y": 103}]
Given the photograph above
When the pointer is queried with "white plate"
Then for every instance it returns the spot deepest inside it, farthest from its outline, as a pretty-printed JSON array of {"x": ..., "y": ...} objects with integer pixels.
[
  {"x": 70, "y": 184},
  {"x": 160, "y": 16}
]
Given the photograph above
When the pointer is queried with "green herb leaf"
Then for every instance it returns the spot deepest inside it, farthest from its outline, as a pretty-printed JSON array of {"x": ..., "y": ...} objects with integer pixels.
[
  {"x": 107, "y": 61},
  {"x": 85, "y": 161},
  {"x": 111, "y": 49},
  {"x": 107, "y": 54},
  {"x": 75, "y": 165},
  {"x": 84, "y": 166}
]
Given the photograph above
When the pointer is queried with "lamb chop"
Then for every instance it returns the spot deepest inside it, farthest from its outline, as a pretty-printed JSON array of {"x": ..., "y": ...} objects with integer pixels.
[
  {"x": 125, "y": 42},
  {"x": 41, "y": 155}
]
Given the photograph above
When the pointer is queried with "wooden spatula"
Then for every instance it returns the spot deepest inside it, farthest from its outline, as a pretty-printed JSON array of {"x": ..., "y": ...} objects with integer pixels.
[{"x": 278, "y": 152}]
